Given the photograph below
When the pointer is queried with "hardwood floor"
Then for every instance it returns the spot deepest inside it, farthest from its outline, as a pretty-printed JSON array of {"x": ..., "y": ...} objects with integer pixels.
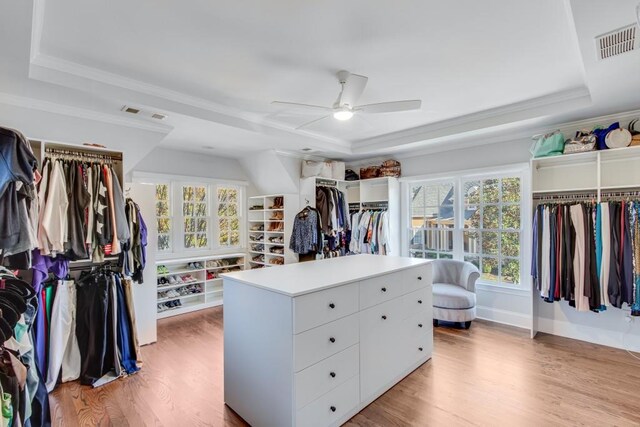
[{"x": 488, "y": 375}]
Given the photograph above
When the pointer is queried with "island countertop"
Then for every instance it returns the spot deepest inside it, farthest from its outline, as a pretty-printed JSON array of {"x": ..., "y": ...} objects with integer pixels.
[{"x": 302, "y": 278}]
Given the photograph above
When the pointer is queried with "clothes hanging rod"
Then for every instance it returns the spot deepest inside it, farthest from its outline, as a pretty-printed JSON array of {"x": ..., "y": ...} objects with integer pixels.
[{"x": 83, "y": 154}]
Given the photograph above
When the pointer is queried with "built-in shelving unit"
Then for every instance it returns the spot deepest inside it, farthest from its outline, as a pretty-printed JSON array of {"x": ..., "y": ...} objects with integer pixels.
[
  {"x": 194, "y": 282},
  {"x": 269, "y": 229}
]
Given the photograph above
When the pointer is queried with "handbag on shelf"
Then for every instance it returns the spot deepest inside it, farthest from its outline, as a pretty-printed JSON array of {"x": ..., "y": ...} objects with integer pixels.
[
  {"x": 312, "y": 168},
  {"x": 634, "y": 129},
  {"x": 370, "y": 172},
  {"x": 583, "y": 141},
  {"x": 601, "y": 134},
  {"x": 390, "y": 168},
  {"x": 351, "y": 175},
  {"x": 551, "y": 144},
  {"x": 618, "y": 138}
]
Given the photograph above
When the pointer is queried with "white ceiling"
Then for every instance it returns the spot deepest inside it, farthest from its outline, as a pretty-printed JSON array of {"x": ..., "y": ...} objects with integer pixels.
[{"x": 214, "y": 67}]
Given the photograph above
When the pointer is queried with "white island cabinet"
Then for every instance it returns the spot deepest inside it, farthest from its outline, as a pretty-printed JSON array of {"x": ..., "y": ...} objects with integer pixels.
[{"x": 312, "y": 344}]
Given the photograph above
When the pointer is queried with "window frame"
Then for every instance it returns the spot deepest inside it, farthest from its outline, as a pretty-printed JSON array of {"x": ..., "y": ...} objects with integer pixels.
[
  {"x": 521, "y": 171},
  {"x": 240, "y": 213},
  {"x": 170, "y": 217},
  {"x": 178, "y": 232}
]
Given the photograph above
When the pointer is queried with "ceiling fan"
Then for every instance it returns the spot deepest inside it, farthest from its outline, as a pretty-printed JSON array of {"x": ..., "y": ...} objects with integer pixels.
[{"x": 352, "y": 86}]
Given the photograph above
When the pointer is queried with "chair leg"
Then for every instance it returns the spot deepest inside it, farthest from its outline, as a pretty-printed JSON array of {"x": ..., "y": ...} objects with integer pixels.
[
  {"x": 435, "y": 323},
  {"x": 467, "y": 325}
]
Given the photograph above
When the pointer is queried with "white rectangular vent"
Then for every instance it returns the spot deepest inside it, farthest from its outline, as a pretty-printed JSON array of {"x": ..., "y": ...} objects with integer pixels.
[
  {"x": 158, "y": 116},
  {"x": 130, "y": 110},
  {"x": 617, "y": 42}
]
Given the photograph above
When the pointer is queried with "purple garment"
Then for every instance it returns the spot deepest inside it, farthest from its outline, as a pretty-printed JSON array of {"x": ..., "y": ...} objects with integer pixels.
[
  {"x": 42, "y": 265},
  {"x": 40, "y": 334},
  {"x": 143, "y": 238}
]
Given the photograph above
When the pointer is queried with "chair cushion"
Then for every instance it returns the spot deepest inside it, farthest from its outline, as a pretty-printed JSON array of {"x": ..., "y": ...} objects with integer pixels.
[{"x": 452, "y": 297}]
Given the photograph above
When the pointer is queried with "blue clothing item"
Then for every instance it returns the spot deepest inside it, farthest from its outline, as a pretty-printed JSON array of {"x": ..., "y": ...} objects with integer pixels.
[
  {"x": 40, "y": 334},
  {"x": 598, "y": 239},
  {"x": 17, "y": 161},
  {"x": 125, "y": 343}
]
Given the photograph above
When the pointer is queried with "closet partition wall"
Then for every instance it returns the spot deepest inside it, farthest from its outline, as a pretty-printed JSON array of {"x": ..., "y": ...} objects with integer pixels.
[{"x": 591, "y": 177}]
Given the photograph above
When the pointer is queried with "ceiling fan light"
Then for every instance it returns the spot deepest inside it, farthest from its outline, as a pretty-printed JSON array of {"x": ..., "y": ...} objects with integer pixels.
[{"x": 343, "y": 115}]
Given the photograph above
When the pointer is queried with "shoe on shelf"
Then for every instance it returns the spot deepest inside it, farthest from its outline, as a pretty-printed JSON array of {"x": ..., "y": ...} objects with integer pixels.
[
  {"x": 211, "y": 275},
  {"x": 161, "y": 269}
]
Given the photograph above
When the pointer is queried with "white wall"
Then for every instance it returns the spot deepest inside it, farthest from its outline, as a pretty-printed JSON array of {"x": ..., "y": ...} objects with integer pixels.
[
  {"x": 175, "y": 162},
  {"x": 272, "y": 172}
]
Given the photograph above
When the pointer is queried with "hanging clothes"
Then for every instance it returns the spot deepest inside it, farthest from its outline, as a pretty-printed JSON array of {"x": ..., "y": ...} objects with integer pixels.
[
  {"x": 586, "y": 254},
  {"x": 306, "y": 235}
]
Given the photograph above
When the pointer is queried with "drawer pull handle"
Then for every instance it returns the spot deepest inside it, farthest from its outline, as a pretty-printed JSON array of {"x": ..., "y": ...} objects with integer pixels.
[
  {"x": 384, "y": 317},
  {"x": 333, "y": 408},
  {"x": 332, "y": 339},
  {"x": 419, "y": 301},
  {"x": 420, "y": 348},
  {"x": 332, "y": 305},
  {"x": 419, "y": 277},
  {"x": 419, "y": 325},
  {"x": 333, "y": 374},
  {"x": 384, "y": 289}
]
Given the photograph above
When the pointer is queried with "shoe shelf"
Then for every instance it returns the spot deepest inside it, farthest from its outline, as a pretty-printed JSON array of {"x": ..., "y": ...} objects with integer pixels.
[
  {"x": 274, "y": 214},
  {"x": 210, "y": 294}
]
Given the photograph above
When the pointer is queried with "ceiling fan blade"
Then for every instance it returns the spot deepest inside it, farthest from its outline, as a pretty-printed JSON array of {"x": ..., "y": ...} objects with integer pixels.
[
  {"x": 303, "y": 108},
  {"x": 352, "y": 90},
  {"x": 390, "y": 107},
  {"x": 311, "y": 122}
]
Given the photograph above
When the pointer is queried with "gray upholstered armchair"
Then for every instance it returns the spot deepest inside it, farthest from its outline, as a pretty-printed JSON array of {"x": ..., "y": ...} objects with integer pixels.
[{"x": 454, "y": 287}]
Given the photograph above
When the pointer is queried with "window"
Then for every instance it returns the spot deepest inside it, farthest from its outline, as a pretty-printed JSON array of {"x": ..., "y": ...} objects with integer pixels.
[
  {"x": 195, "y": 216},
  {"x": 475, "y": 218},
  {"x": 163, "y": 217},
  {"x": 432, "y": 220},
  {"x": 491, "y": 234},
  {"x": 228, "y": 216}
]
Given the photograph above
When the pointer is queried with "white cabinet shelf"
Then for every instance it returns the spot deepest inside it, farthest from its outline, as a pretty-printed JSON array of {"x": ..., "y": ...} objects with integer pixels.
[
  {"x": 210, "y": 293},
  {"x": 280, "y": 219}
]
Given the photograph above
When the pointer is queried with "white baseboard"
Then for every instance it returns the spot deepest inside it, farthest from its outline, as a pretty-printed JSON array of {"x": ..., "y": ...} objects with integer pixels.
[
  {"x": 506, "y": 317},
  {"x": 628, "y": 338}
]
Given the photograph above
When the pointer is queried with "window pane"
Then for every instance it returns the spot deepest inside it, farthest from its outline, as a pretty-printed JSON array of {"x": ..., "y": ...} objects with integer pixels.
[
  {"x": 510, "y": 244},
  {"x": 201, "y": 194},
  {"x": 472, "y": 217},
  {"x": 164, "y": 225},
  {"x": 446, "y": 256},
  {"x": 431, "y": 239},
  {"x": 417, "y": 206},
  {"x": 490, "y": 217},
  {"x": 187, "y": 193},
  {"x": 189, "y": 225},
  {"x": 431, "y": 255},
  {"x": 232, "y": 210},
  {"x": 471, "y": 192},
  {"x": 201, "y": 209},
  {"x": 417, "y": 254},
  {"x": 511, "y": 217},
  {"x": 489, "y": 269},
  {"x": 232, "y": 195},
  {"x": 162, "y": 209},
  {"x": 224, "y": 237},
  {"x": 235, "y": 224},
  {"x": 224, "y": 224},
  {"x": 163, "y": 242},
  {"x": 490, "y": 243},
  {"x": 445, "y": 240},
  {"x": 187, "y": 209},
  {"x": 222, "y": 195},
  {"x": 473, "y": 260},
  {"x": 445, "y": 194},
  {"x": 416, "y": 240},
  {"x": 490, "y": 191},
  {"x": 235, "y": 238},
  {"x": 189, "y": 241},
  {"x": 162, "y": 192},
  {"x": 471, "y": 242},
  {"x": 222, "y": 209},
  {"x": 511, "y": 190},
  {"x": 201, "y": 240},
  {"x": 511, "y": 271},
  {"x": 202, "y": 225}
]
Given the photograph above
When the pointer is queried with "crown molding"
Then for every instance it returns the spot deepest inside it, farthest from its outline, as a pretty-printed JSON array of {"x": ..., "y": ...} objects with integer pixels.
[
  {"x": 66, "y": 110},
  {"x": 486, "y": 119}
]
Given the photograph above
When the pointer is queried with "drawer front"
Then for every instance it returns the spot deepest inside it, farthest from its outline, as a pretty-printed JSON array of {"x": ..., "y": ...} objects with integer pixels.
[
  {"x": 331, "y": 407},
  {"x": 380, "y": 289},
  {"x": 322, "y": 307},
  {"x": 319, "y": 343},
  {"x": 417, "y": 326},
  {"x": 382, "y": 346},
  {"x": 420, "y": 301},
  {"x": 418, "y": 346},
  {"x": 417, "y": 277},
  {"x": 316, "y": 380}
]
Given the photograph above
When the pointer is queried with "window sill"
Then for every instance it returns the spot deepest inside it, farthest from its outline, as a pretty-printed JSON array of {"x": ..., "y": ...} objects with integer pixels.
[{"x": 505, "y": 289}]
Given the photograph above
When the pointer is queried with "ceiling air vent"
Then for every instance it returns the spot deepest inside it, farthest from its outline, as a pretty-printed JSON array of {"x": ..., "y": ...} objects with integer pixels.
[
  {"x": 617, "y": 42},
  {"x": 158, "y": 116},
  {"x": 131, "y": 110}
]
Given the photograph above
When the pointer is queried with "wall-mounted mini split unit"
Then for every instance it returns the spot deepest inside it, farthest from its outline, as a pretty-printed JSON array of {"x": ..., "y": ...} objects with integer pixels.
[{"x": 617, "y": 42}]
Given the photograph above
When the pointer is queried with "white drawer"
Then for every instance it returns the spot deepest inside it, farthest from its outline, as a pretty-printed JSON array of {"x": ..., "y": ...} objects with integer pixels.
[
  {"x": 418, "y": 346},
  {"x": 316, "y": 380},
  {"x": 319, "y": 343},
  {"x": 322, "y": 307},
  {"x": 418, "y": 301},
  {"x": 416, "y": 326},
  {"x": 382, "y": 318},
  {"x": 417, "y": 277},
  {"x": 331, "y": 408},
  {"x": 380, "y": 289}
]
